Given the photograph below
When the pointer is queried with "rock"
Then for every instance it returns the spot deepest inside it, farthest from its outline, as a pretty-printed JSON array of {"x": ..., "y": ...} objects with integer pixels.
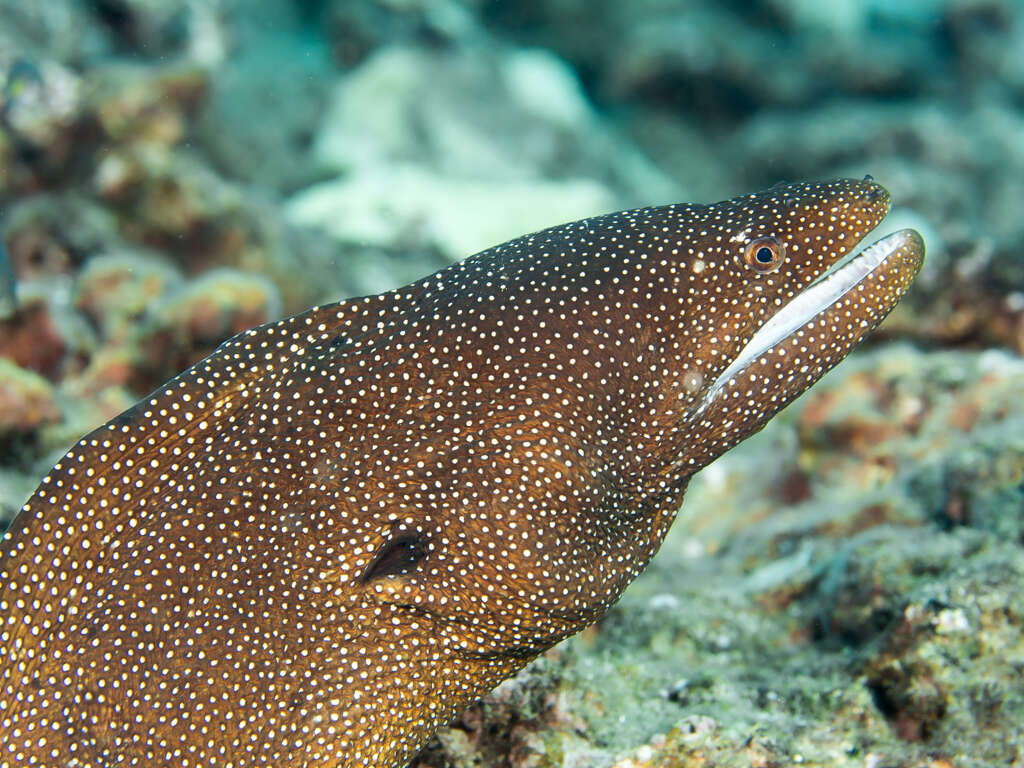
[
  {"x": 15, "y": 488},
  {"x": 462, "y": 150},
  {"x": 189, "y": 323},
  {"x": 475, "y": 114},
  {"x": 115, "y": 290},
  {"x": 356, "y": 29},
  {"x": 30, "y": 339},
  {"x": 396, "y": 205},
  {"x": 147, "y": 106},
  {"x": 43, "y": 121},
  {"x": 27, "y": 400},
  {"x": 285, "y": 82}
]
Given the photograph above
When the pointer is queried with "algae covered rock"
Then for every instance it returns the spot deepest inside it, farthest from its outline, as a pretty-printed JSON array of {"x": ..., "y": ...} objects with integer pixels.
[
  {"x": 189, "y": 323},
  {"x": 27, "y": 400},
  {"x": 431, "y": 208},
  {"x": 461, "y": 150}
]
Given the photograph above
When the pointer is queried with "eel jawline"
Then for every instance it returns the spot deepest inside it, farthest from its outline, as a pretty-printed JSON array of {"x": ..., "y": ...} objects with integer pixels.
[{"x": 825, "y": 291}]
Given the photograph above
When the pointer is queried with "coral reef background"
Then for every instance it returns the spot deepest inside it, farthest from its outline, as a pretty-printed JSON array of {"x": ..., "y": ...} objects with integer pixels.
[{"x": 846, "y": 588}]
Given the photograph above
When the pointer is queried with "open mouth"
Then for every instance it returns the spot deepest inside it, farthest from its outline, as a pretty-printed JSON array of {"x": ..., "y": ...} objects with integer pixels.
[{"x": 841, "y": 278}]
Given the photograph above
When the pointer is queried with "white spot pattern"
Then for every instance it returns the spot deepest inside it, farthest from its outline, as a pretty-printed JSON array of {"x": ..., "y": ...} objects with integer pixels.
[{"x": 318, "y": 544}]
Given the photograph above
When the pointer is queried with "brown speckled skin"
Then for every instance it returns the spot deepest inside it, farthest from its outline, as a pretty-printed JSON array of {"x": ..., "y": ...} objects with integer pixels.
[{"x": 321, "y": 542}]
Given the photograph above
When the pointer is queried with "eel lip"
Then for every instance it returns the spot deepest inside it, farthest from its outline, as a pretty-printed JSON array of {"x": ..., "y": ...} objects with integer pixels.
[{"x": 828, "y": 288}]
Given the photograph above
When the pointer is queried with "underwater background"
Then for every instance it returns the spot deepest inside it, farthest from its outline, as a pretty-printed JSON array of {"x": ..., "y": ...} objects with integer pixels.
[{"x": 845, "y": 588}]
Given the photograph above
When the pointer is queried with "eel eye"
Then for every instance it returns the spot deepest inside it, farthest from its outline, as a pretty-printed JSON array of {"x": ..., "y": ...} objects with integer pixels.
[{"x": 764, "y": 254}]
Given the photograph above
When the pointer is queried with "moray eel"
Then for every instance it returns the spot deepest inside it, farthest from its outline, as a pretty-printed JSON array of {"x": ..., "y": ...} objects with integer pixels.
[{"x": 321, "y": 542}]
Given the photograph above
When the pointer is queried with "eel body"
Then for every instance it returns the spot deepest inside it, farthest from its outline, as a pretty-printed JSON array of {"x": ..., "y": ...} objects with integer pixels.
[{"x": 321, "y": 542}]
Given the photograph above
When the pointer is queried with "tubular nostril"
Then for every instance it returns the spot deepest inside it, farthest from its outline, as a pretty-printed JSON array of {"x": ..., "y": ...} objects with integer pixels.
[{"x": 873, "y": 192}]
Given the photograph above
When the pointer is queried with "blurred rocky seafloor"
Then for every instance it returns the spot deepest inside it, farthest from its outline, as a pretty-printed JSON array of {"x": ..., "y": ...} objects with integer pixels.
[{"x": 846, "y": 588}]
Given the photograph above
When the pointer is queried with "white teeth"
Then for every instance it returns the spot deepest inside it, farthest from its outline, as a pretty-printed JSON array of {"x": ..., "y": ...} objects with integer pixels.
[{"x": 818, "y": 296}]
